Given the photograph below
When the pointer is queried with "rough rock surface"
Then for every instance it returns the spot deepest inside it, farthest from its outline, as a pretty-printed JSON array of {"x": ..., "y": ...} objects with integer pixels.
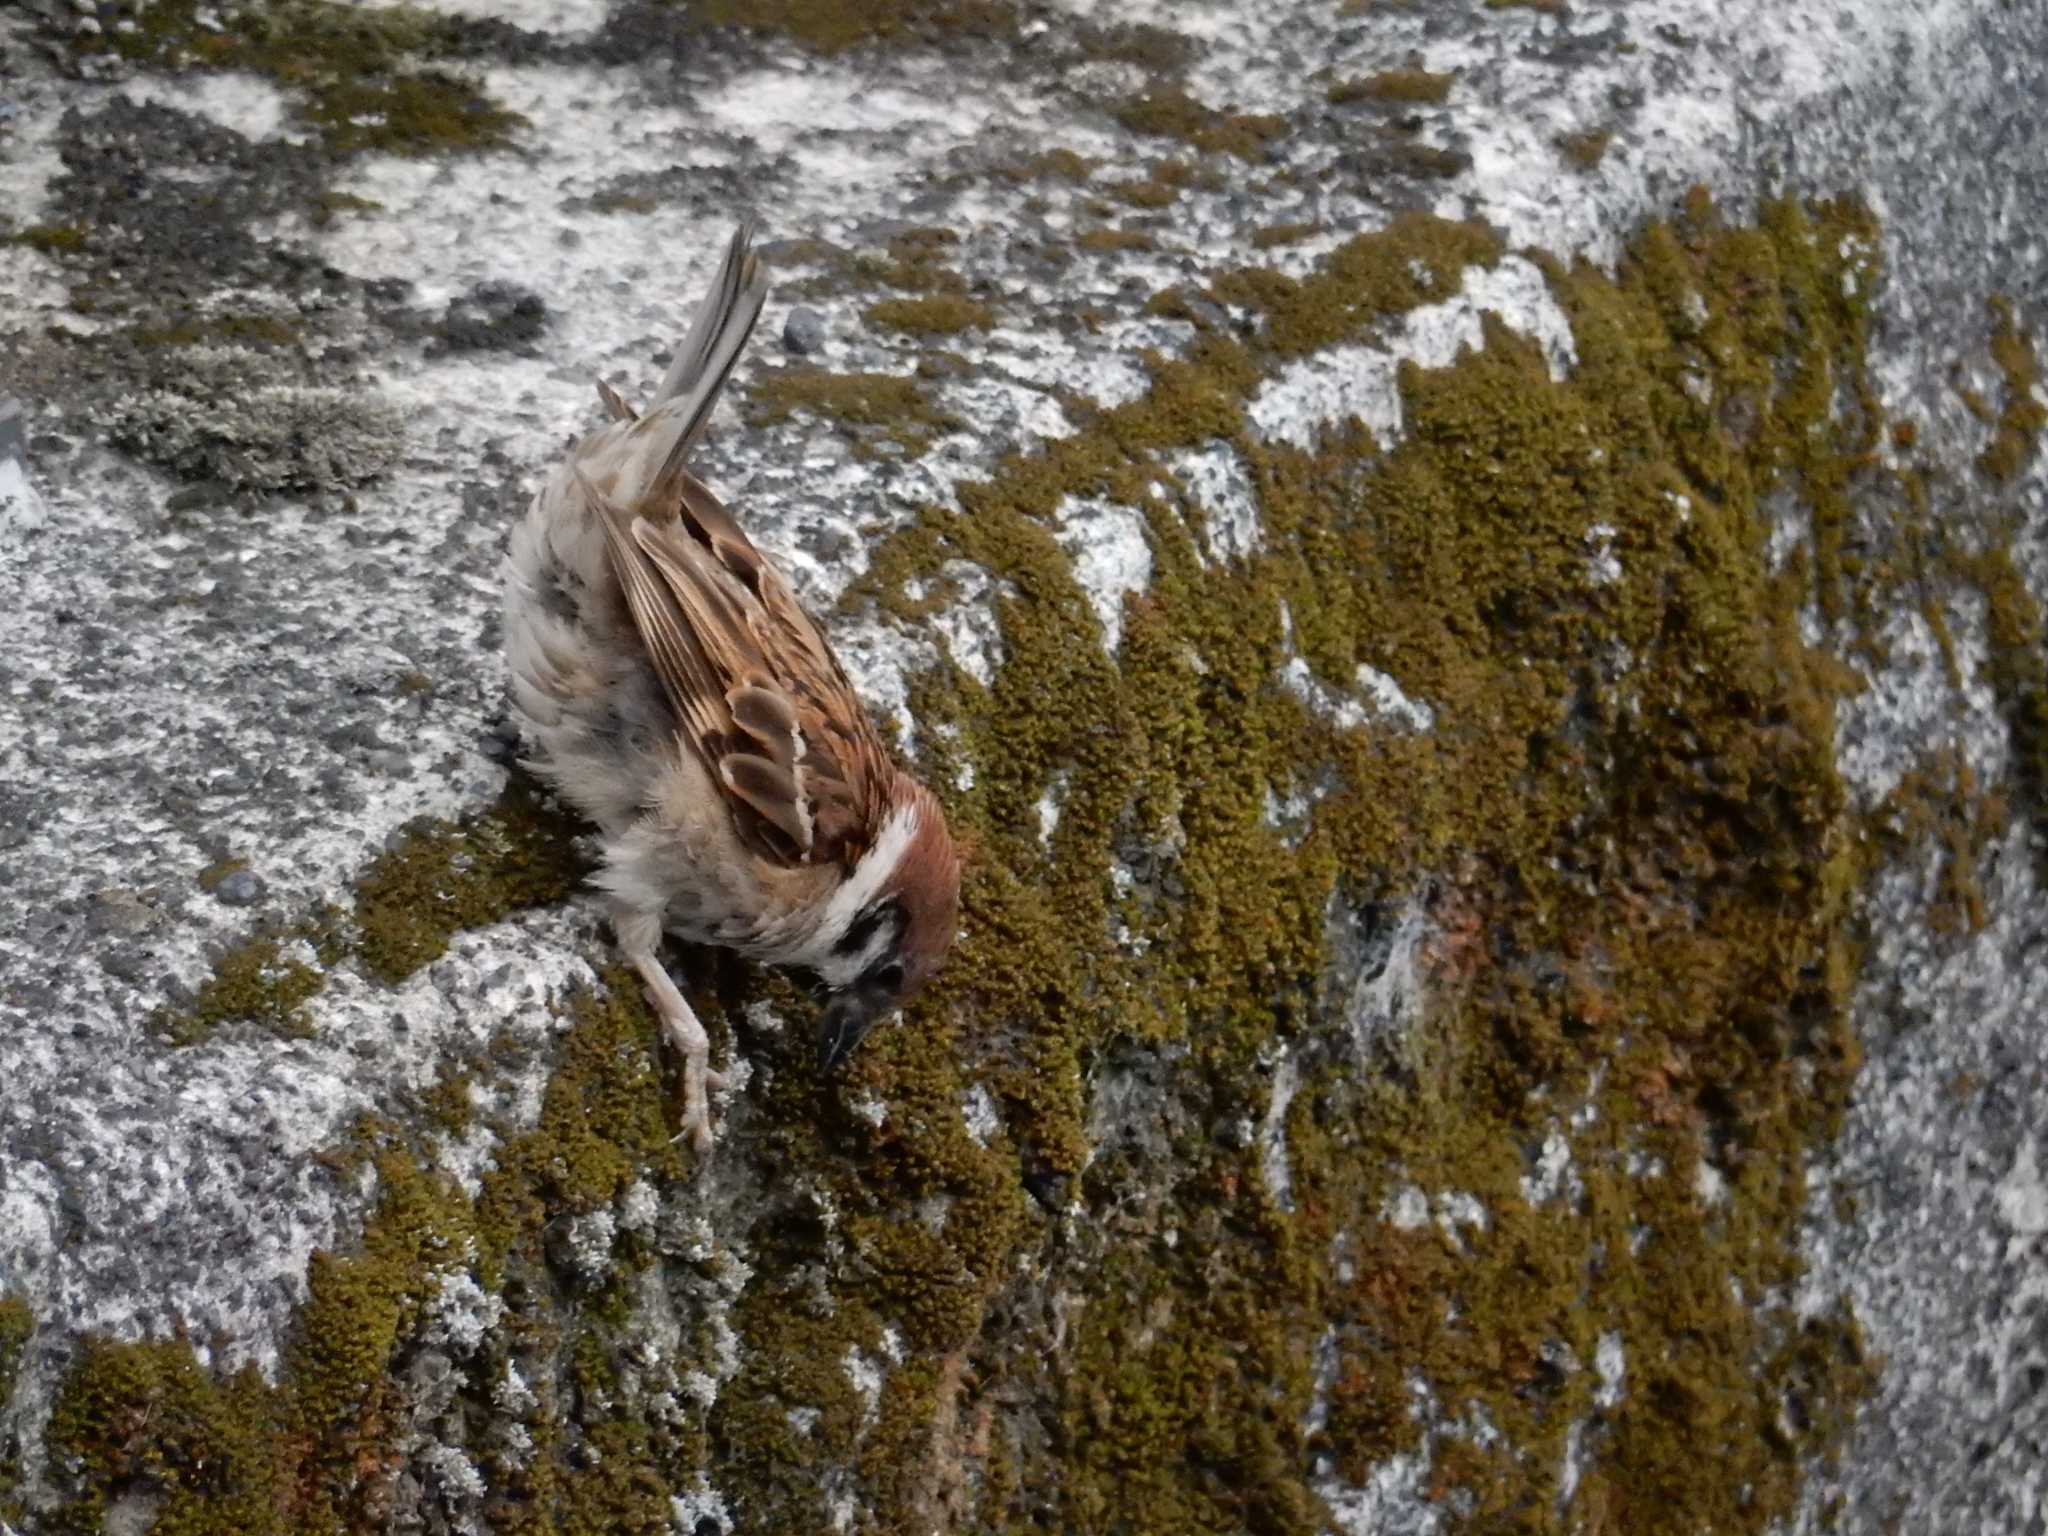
[{"x": 1472, "y": 571}]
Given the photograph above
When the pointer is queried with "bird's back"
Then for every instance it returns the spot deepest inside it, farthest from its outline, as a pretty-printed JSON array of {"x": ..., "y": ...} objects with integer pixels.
[{"x": 595, "y": 710}]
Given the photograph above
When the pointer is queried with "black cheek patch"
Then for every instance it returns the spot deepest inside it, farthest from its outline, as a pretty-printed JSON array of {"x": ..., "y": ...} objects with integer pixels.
[{"x": 867, "y": 925}]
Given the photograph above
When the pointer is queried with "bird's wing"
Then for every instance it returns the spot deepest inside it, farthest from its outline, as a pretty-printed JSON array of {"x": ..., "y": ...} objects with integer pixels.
[{"x": 757, "y": 691}]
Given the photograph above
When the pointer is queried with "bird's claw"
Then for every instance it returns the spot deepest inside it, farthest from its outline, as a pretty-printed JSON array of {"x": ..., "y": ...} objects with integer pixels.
[
  {"x": 679, "y": 1023},
  {"x": 697, "y": 1079}
]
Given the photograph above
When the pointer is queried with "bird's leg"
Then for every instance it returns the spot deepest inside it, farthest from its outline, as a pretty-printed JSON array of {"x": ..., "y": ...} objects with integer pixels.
[{"x": 638, "y": 934}]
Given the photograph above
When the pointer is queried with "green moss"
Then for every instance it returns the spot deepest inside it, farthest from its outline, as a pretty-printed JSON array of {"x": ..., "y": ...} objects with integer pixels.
[
  {"x": 1151, "y": 192},
  {"x": 1051, "y": 165},
  {"x": 604, "y": 1121},
  {"x": 940, "y": 314},
  {"x": 442, "y": 878},
  {"x": 914, "y": 261},
  {"x": 833, "y": 26},
  {"x": 312, "y": 1454},
  {"x": 1419, "y": 87},
  {"x": 322, "y": 1450},
  {"x": 1586, "y": 150},
  {"x": 17, "y": 1327},
  {"x": 409, "y": 114},
  {"x": 235, "y": 329},
  {"x": 1271, "y": 235},
  {"x": 2017, "y": 434},
  {"x": 624, "y": 202},
  {"x": 2018, "y": 663},
  {"x": 17, "y": 1324},
  {"x": 1643, "y": 885},
  {"x": 1109, "y": 241},
  {"x": 880, "y": 412},
  {"x": 363, "y": 77},
  {"x": 50, "y": 239},
  {"x": 1418, "y": 259},
  {"x": 1939, "y": 814},
  {"x": 448, "y": 1104},
  {"x": 254, "y": 980},
  {"x": 1398, "y": 155},
  {"x": 439, "y": 879},
  {"x": 1170, "y": 112},
  {"x": 146, "y": 1420}
]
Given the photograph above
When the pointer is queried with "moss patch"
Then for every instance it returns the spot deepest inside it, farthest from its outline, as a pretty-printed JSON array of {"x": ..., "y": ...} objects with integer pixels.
[
  {"x": 2019, "y": 678},
  {"x": 50, "y": 239},
  {"x": 1642, "y": 904},
  {"x": 2016, "y": 435},
  {"x": 17, "y": 1327},
  {"x": 437, "y": 880},
  {"x": 1586, "y": 150},
  {"x": 833, "y": 26},
  {"x": 1106, "y": 241},
  {"x": 254, "y": 980},
  {"x": 1415, "y": 260},
  {"x": 440, "y": 879},
  {"x": 1415, "y": 87},
  {"x": 942, "y": 314},
  {"x": 146, "y": 1421},
  {"x": 1170, "y": 112},
  {"x": 17, "y": 1322},
  {"x": 230, "y": 328},
  {"x": 324, "y": 1449},
  {"x": 364, "y": 77},
  {"x": 1052, "y": 165},
  {"x": 881, "y": 413},
  {"x": 1162, "y": 186},
  {"x": 1271, "y": 235},
  {"x": 604, "y": 1121}
]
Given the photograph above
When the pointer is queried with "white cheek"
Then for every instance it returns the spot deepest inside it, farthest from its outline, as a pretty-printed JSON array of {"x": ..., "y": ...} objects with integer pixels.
[{"x": 868, "y": 876}]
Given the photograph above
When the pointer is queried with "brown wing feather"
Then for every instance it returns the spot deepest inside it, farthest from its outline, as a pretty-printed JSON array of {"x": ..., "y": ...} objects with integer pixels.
[
  {"x": 687, "y": 675},
  {"x": 752, "y": 680}
]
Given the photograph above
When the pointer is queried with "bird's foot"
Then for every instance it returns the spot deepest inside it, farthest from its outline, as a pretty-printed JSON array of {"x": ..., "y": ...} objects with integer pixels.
[{"x": 680, "y": 1024}]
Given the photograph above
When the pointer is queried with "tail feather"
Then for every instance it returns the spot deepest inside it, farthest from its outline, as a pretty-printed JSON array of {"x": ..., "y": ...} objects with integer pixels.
[{"x": 725, "y": 319}]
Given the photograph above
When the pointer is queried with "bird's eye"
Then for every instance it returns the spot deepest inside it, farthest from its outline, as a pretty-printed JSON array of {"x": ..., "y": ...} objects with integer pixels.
[{"x": 888, "y": 977}]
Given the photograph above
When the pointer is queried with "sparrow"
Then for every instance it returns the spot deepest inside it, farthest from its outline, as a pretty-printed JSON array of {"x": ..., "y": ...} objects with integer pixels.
[{"x": 675, "y": 692}]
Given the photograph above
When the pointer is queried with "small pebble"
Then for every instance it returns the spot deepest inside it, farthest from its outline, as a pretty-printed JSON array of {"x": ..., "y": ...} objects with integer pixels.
[
  {"x": 243, "y": 888},
  {"x": 804, "y": 331}
]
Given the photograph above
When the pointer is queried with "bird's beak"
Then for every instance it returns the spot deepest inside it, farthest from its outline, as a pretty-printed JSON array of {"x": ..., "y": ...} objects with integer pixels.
[{"x": 847, "y": 1018}]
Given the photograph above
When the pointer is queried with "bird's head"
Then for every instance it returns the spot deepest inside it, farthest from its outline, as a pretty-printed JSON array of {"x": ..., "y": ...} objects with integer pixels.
[{"x": 897, "y": 929}]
